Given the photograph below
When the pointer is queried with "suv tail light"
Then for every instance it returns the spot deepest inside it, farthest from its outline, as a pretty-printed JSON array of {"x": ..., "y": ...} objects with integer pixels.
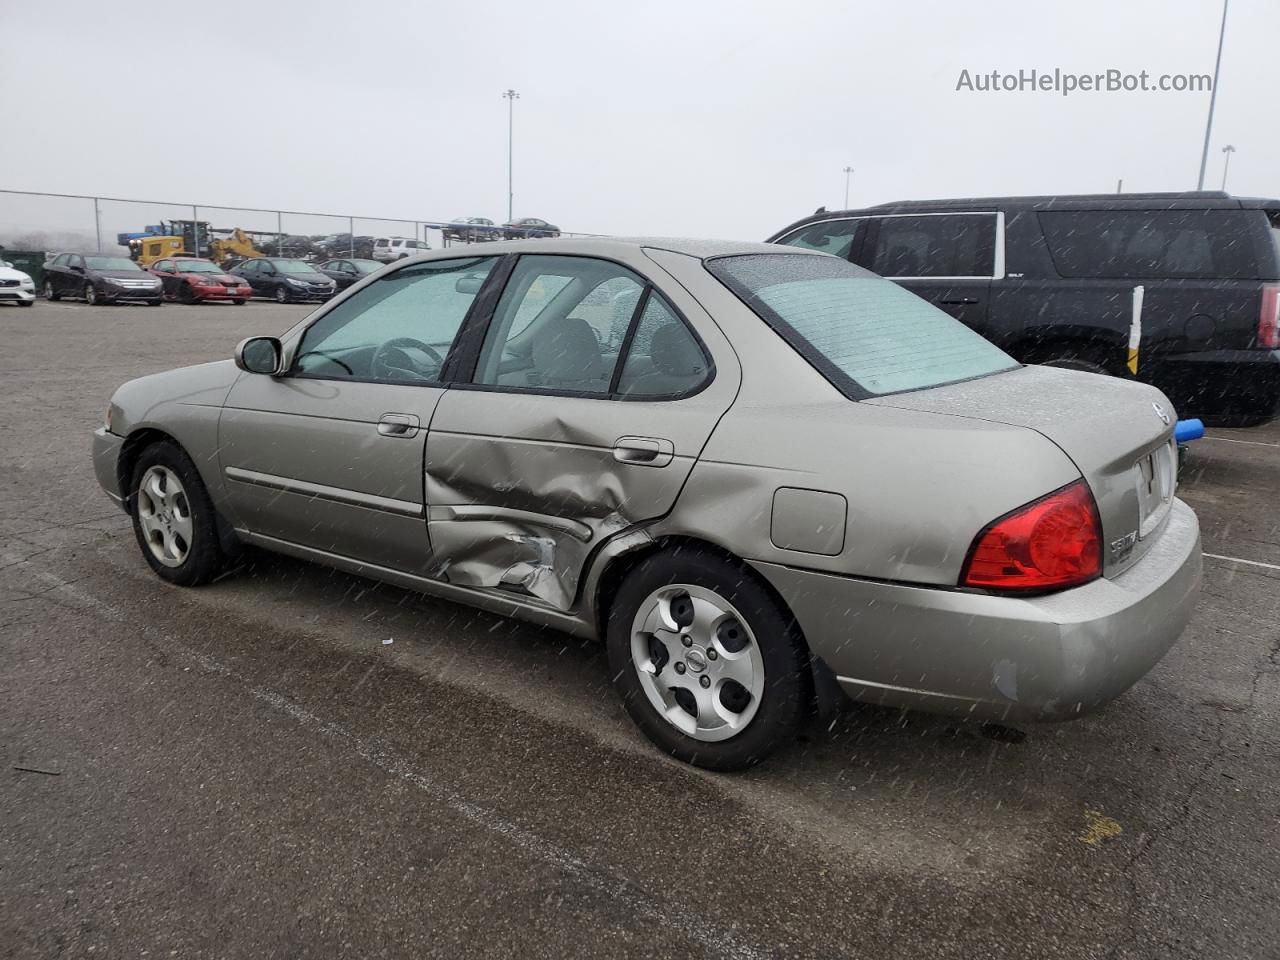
[
  {"x": 1269, "y": 318},
  {"x": 1051, "y": 543}
]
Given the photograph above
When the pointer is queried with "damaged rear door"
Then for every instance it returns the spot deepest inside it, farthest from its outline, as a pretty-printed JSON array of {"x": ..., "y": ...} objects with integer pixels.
[{"x": 581, "y": 411}]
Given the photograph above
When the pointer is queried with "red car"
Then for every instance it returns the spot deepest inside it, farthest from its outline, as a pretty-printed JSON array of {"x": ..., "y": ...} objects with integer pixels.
[{"x": 192, "y": 279}]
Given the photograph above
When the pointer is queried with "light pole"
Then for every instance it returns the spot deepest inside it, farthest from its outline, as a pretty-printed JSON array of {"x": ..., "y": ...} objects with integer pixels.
[
  {"x": 511, "y": 97},
  {"x": 1213, "y": 97},
  {"x": 848, "y": 172},
  {"x": 1226, "y": 163}
]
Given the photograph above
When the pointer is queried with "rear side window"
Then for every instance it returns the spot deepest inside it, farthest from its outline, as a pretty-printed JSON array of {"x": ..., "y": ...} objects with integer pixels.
[
  {"x": 664, "y": 359},
  {"x": 866, "y": 335},
  {"x": 829, "y": 236},
  {"x": 1170, "y": 244},
  {"x": 937, "y": 245}
]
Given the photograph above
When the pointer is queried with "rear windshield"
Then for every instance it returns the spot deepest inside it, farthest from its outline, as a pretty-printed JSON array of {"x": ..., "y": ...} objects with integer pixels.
[
  {"x": 1156, "y": 244},
  {"x": 866, "y": 335}
]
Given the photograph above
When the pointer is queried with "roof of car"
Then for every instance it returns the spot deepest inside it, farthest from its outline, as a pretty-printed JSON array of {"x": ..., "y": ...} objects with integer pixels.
[{"x": 703, "y": 249}]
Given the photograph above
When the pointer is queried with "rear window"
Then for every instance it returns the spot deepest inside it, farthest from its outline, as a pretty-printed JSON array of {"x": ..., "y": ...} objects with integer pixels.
[
  {"x": 1169, "y": 244},
  {"x": 866, "y": 335}
]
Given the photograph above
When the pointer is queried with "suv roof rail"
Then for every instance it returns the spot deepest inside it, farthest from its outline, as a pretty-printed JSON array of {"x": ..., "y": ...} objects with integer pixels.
[{"x": 1045, "y": 198}]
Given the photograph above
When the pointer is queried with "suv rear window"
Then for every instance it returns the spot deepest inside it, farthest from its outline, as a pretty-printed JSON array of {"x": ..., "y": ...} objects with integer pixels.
[
  {"x": 866, "y": 335},
  {"x": 1173, "y": 244}
]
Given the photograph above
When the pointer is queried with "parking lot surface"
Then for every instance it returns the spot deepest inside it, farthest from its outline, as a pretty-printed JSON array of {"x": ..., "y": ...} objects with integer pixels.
[{"x": 252, "y": 769}]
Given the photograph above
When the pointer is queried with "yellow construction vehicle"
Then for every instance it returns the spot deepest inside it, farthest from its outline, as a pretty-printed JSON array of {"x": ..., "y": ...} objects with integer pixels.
[
  {"x": 235, "y": 245},
  {"x": 147, "y": 250}
]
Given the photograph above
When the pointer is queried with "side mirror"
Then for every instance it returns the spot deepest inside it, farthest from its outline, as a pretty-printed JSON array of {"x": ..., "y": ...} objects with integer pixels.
[{"x": 259, "y": 355}]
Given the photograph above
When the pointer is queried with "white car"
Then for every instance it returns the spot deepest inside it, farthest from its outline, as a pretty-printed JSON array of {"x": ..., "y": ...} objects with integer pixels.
[
  {"x": 387, "y": 249},
  {"x": 16, "y": 286}
]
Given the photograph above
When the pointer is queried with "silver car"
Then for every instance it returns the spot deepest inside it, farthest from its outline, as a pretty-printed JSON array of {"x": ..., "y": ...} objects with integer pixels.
[{"x": 758, "y": 473}]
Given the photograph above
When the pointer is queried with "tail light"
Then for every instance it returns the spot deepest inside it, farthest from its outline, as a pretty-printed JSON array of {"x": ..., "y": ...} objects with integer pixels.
[
  {"x": 1269, "y": 318},
  {"x": 1052, "y": 543}
]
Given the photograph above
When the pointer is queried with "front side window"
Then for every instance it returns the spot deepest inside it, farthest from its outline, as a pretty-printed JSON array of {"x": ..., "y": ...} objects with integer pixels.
[
  {"x": 938, "y": 245},
  {"x": 555, "y": 326},
  {"x": 866, "y": 335},
  {"x": 164, "y": 266},
  {"x": 399, "y": 329},
  {"x": 829, "y": 236}
]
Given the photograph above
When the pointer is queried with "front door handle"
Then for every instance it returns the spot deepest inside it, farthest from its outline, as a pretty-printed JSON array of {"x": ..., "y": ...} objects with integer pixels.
[
  {"x": 961, "y": 300},
  {"x": 644, "y": 451},
  {"x": 398, "y": 425}
]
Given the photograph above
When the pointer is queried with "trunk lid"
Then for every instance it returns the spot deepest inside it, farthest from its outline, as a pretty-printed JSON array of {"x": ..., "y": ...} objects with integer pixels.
[{"x": 1119, "y": 434}]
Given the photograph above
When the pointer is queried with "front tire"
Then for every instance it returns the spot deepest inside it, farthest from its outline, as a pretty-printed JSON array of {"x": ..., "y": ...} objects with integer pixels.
[
  {"x": 91, "y": 295},
  {"x": 173, "y": 517},
  {"x": 281, "y": 295},
  {"x": 26, "y": 303},
  {"x": 710, "y": 666},
  {"x": 49, "y": 292}
]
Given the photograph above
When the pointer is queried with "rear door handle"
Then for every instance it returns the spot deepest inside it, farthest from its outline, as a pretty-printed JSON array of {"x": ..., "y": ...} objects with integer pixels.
[
  {"x": 398, "y": 425},
  {"x": 644, "y": 451},
  {"x": 961, "y": 300}
]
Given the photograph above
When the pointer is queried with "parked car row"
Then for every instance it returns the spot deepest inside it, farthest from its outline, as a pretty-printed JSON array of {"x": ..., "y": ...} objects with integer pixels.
[
  {"x": 481, "y": 229},
  {"x": 1189, "y": 281}
]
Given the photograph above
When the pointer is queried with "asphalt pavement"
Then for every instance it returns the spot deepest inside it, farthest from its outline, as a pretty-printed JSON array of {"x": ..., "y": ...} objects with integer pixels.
[{"x": 294, "y": 762}]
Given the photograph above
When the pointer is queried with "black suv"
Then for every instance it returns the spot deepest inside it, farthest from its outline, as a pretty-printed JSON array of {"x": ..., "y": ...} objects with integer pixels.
[{"x": 1055, "y": 280}]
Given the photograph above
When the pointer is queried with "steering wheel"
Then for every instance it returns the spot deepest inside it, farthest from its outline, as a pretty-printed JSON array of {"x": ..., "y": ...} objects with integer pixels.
[{"x": 394, "y": 361}]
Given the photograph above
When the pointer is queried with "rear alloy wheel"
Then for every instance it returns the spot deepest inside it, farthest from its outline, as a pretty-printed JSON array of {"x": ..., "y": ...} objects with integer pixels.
[
  {"x": 708, "y": 664},
  {"x": 173, "y": 517},
  {"x": 282, "y": 295},
  {"x": 49, "y": 292}
]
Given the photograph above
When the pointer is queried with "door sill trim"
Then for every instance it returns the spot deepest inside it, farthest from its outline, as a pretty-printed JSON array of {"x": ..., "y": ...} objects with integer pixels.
[{"x": 492, "y": 601}]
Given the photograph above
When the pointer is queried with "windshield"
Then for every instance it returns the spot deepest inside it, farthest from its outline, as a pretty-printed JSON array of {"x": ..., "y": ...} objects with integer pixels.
[
  {"x": 197, "y": 266},
  {"x": 110, "y": 263},
  {"x": 293, "y": 266},
  {"x": 865, "y": 334}
]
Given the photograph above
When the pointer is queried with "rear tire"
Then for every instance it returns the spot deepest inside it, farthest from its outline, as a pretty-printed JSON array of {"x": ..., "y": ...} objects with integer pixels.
[
  {"x": 173, "y": 518},
  {"x": 738, "y": 659}
]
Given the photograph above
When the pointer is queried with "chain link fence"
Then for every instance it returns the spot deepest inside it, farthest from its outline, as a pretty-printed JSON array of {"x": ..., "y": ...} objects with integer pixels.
[{"x": 56, "y": 222}]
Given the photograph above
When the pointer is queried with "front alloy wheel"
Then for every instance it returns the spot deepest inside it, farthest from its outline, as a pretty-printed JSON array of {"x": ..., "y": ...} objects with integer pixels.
[
  {"x": 282, "y": 295},
  {"x": 164, "y": 514},
  {"x": 90, "y": 294},
  {"x": 49, "y": 292}
]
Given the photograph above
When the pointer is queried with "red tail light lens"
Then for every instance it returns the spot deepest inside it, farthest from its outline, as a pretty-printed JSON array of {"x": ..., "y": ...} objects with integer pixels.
[
  {"x": 1050, "y": 544},
  {"x": 1269, "y": 318}
]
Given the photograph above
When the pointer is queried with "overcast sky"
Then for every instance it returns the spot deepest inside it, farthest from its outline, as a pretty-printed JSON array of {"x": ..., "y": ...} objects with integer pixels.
[{"x": 693, "y": 118}]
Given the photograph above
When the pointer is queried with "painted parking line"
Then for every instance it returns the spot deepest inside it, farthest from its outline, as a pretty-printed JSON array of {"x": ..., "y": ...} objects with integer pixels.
[
  {"x": 1252, "y": 563},
  {"x": 1250, "y": 443}
]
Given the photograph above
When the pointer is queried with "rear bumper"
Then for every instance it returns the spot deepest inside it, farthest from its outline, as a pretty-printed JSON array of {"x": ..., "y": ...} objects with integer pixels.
[
  {"x": 1005, "y": 658},
  {"x": 106, "y": 457},
  {"x": 1224, "y": 387}
]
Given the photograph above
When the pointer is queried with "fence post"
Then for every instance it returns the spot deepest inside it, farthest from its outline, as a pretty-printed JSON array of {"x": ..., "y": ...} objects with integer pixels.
[
  {"x": 195, "y": 228},
  {"x": 97, "y": 224},
  {"x": 351, "y": 236},
  {"x": 279, "y": 235}
]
